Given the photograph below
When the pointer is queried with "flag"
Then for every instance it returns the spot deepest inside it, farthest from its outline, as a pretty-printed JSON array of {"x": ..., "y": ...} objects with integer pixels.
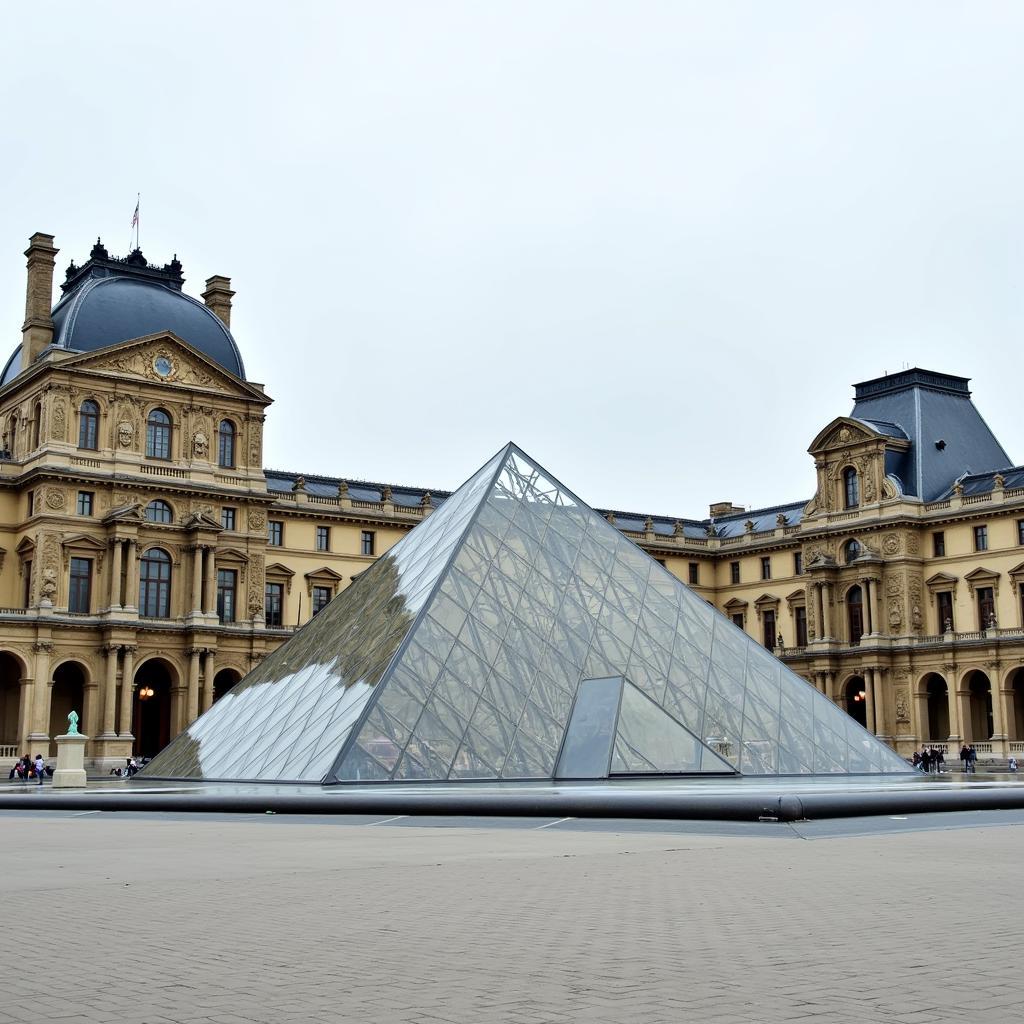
[{"x": 135, "y": 216}]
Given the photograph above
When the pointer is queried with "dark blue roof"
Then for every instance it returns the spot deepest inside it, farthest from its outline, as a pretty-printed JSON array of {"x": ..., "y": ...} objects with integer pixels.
[
  {"x": 283, "y": 482},
  {"x": 110, "y": 300},
  {"x": 983, "y": 483},
  {"x": 934, "y": 411}
]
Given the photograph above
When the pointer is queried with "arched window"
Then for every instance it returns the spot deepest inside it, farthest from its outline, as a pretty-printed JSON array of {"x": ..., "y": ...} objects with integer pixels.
[
  {"x": 89, "y": 425},
  {"x": 158, "y": 435},
  {"x": 851, "y": 487},
  {"x": 159, "y": 512},
  {"x": 12, "y": 435},
  {"x": 851, "y": 550},
  {"x": 155, "y": 584},
  {"x": 226, "y": 444},
  {"x": 855, "y": 613},
  {"x": 36, "y": 420}
]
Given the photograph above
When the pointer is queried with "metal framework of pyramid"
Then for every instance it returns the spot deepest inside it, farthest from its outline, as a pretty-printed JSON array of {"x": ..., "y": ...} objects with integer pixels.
[{"x": 515, "y": 634}]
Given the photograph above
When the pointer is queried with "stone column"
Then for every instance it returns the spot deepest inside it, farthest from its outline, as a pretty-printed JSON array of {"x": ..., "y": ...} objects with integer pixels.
[
  {"x": 881, "y": 705},
  {"x": 963, "y": 704},
  {"x": 826, "y": 612},
  {"x": 41, "y": 695},
  {"x": 830, "y": 687},
  {"x": 866, "y": 587},
  {"x": 1006, "y": 698},
  {"x": 115, "y": 574},
  {"x": 919, "y": 715},
  {"x": 210, "y": 600},
  {"x": 24, "y": 711},
  {"x": 197, "y": 579},
  {"x": 878, "y": 607},
  {"x": 131, "y": 585},
  {"x": 819, "y": 607},
  {"x": 869, "y": 699},
  {"x": 110, "y": 693},
  {"x": 192, "y": 704},
  {"x": 127, "y": 690},
  {"x": 209, "y": 671}
]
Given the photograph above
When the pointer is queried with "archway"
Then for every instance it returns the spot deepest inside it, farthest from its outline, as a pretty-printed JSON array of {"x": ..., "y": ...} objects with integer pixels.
[
  {"x": 937, "y": 722},
  {"x": 855, "y": 614},
  {"x": 1016, "y": 724},
  {"x": 223, "y": 681},
  {"x": 68, "y": 695},
  {"x": 151, "y": 706},
  {"x": 980, "y": 701},
  {"x": 10, "y": 703},
  {"x": 855, "y": 693}
]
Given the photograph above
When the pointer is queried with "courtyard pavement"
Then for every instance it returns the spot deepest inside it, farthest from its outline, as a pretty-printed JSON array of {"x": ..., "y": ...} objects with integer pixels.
[{"x": 136, "y": 918}]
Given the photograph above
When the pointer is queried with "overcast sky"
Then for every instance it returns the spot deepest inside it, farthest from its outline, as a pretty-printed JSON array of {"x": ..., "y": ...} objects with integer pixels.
[{"x": 652, "y": 243}]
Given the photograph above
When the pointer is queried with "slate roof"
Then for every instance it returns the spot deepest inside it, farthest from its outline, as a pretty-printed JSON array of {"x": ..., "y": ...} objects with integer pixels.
[
  {"x": 935, "y": 413},
  {"x": 984, "y": 483}
]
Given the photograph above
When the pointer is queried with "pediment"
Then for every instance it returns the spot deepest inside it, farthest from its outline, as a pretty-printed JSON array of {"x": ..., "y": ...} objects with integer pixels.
[
  {"x": 841, "y": 433},
  {"x": 324, "y": 573},
  {"x": 1017, "y": 571},
  {"x": 26, "y": 548},
  {"x": 277, "y": 569},
  {"x": 81, "y": 541},
  {"x": 766, "y": 601},
  {"x": 201, "y": 521},
  {"x": 130, "y": 513},
  {"x": 186, "y": 365},
  {"x": 981, "y": 577},
  {"x": 796, "y": 596},
  {"x": 941, "y": 580},
  {"x": 231, "y": 555},
  {"x": 734, "y": 604}
]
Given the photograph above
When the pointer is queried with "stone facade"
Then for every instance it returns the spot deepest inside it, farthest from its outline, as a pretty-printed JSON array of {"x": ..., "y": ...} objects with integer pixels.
[{"x": 888, "y": 606}]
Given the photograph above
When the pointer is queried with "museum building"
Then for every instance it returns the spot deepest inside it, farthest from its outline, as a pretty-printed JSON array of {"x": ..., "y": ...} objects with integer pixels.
[{"x": 148, "y": 560}]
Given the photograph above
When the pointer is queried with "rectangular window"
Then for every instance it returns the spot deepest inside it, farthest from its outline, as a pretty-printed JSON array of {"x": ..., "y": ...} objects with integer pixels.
[
  {"x": 1020, "y": 531},
  {"x": 734, "y": 571},
  {"x": 321, "y": 598},
  {"x": 80, "y": 589},
  {"x": 938, "y": 544},
  {"x": 31, "y": 502},
  {"x": 798, "y": 563},
  {"x": 694, "y": 568},
  {"x": 275, "y": 604},
  {"x": 981, "y": 538},
  {"x": 227, "y": 583},
  {"x": 323, "y": 538},
  {"x": 768, "y": 625},
  {"x": 661, "y": 562},
  {"x": 227, "y": 518},
  {"x": 986, "y": 608},
  {"x": 800, "y": 621},
  {"x": 944, "y": 602},
  {"x": 28, "y": 583},
  {"x": 85, "y": 503},
  {"x": 368, "y": 539},
  {"x": 737, "y": 619},
  {"x": 275, "y": 534},
  {"x": 766, "y": 568}
]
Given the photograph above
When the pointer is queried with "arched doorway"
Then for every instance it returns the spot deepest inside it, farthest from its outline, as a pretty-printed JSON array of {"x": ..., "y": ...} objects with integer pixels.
[
  {"x": 855, "y": 693},
  {"x": 10, "y": 701},
  {"x": 67, "y": 695},
  {"x": 1016, "y": 724},
  {"x": 980, "y": 701},
  {"x": 855, "y": 614},
  {"x": 223, "y": 681},
  {"x": 937, "y": 694},
  {"x": 151, "y": 707}
]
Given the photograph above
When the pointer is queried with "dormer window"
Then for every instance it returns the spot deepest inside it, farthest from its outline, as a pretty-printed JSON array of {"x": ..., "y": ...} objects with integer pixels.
[
  {"x": 158, "y": 435},
  {"x": 851, "y": 487},
  {"x": 851, "y": 550}
]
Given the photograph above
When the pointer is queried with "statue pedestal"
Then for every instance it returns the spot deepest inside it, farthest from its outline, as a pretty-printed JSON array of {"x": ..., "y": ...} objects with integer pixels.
[{"x": 70, "y": 771}]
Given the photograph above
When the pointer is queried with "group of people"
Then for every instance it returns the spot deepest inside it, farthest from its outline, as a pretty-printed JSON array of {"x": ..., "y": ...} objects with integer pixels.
[
  {"x": 128, "y": 771},
  {"x": 929, "y": 759},
  {"x": 969, "y": 758},
  {"x": 28, "y": 768}
]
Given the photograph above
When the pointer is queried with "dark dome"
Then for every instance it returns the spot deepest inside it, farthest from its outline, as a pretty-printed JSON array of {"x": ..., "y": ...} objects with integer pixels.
[{"x": 109, "y": 301}]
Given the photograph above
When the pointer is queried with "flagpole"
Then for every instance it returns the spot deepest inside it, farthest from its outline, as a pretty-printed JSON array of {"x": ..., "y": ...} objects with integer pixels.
[{"x": 138, "y": 222}]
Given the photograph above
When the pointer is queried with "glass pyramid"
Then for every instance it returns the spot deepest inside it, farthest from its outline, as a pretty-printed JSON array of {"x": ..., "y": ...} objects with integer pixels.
[{"x": 515, "y": 634}]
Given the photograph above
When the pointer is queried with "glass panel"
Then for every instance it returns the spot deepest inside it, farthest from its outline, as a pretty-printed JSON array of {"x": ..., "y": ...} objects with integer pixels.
[{"x": 588, "y": 740}]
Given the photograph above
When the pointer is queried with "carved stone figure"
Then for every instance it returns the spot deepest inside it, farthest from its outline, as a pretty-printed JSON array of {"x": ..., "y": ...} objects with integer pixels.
[
  {"x": 200, "y": 445},
  {"x": 125, "y": 434},
  {"x": 59, "y": 423},
  {"x": 895, "y": 616},
  {"x": 902, "y": 706},
  {"x": 257, "y": 520},
  {"x": 891, "y": 543},
  {"x": 55, "y": 499}
]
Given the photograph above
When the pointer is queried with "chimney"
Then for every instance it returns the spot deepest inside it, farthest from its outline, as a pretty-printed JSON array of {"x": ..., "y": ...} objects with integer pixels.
[
  {"x": 218, "y": 297},
  {"x": 725, "y": 508},
  {"x": 37, "y": 331}
]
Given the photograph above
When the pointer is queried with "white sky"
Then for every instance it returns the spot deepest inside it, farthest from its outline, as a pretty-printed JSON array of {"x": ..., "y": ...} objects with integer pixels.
[{"x": 652, "y": 243}]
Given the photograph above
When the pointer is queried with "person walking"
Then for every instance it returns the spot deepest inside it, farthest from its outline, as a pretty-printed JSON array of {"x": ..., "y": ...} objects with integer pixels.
[
  {"x": 973, "y": 759},
  {"x": 926, "y": 760},
  {"x": 965, "y": 758},
  {"x": 40, "y": 768}
]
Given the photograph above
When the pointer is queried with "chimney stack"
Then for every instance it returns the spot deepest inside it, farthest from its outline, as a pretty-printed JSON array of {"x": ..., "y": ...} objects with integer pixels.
[
  {"x": 37, "y": 331},
  {"x": 218, "y": 297}
]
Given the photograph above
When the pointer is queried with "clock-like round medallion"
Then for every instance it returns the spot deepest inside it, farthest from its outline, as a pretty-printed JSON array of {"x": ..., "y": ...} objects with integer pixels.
[{"x": 163, "y": 366}]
